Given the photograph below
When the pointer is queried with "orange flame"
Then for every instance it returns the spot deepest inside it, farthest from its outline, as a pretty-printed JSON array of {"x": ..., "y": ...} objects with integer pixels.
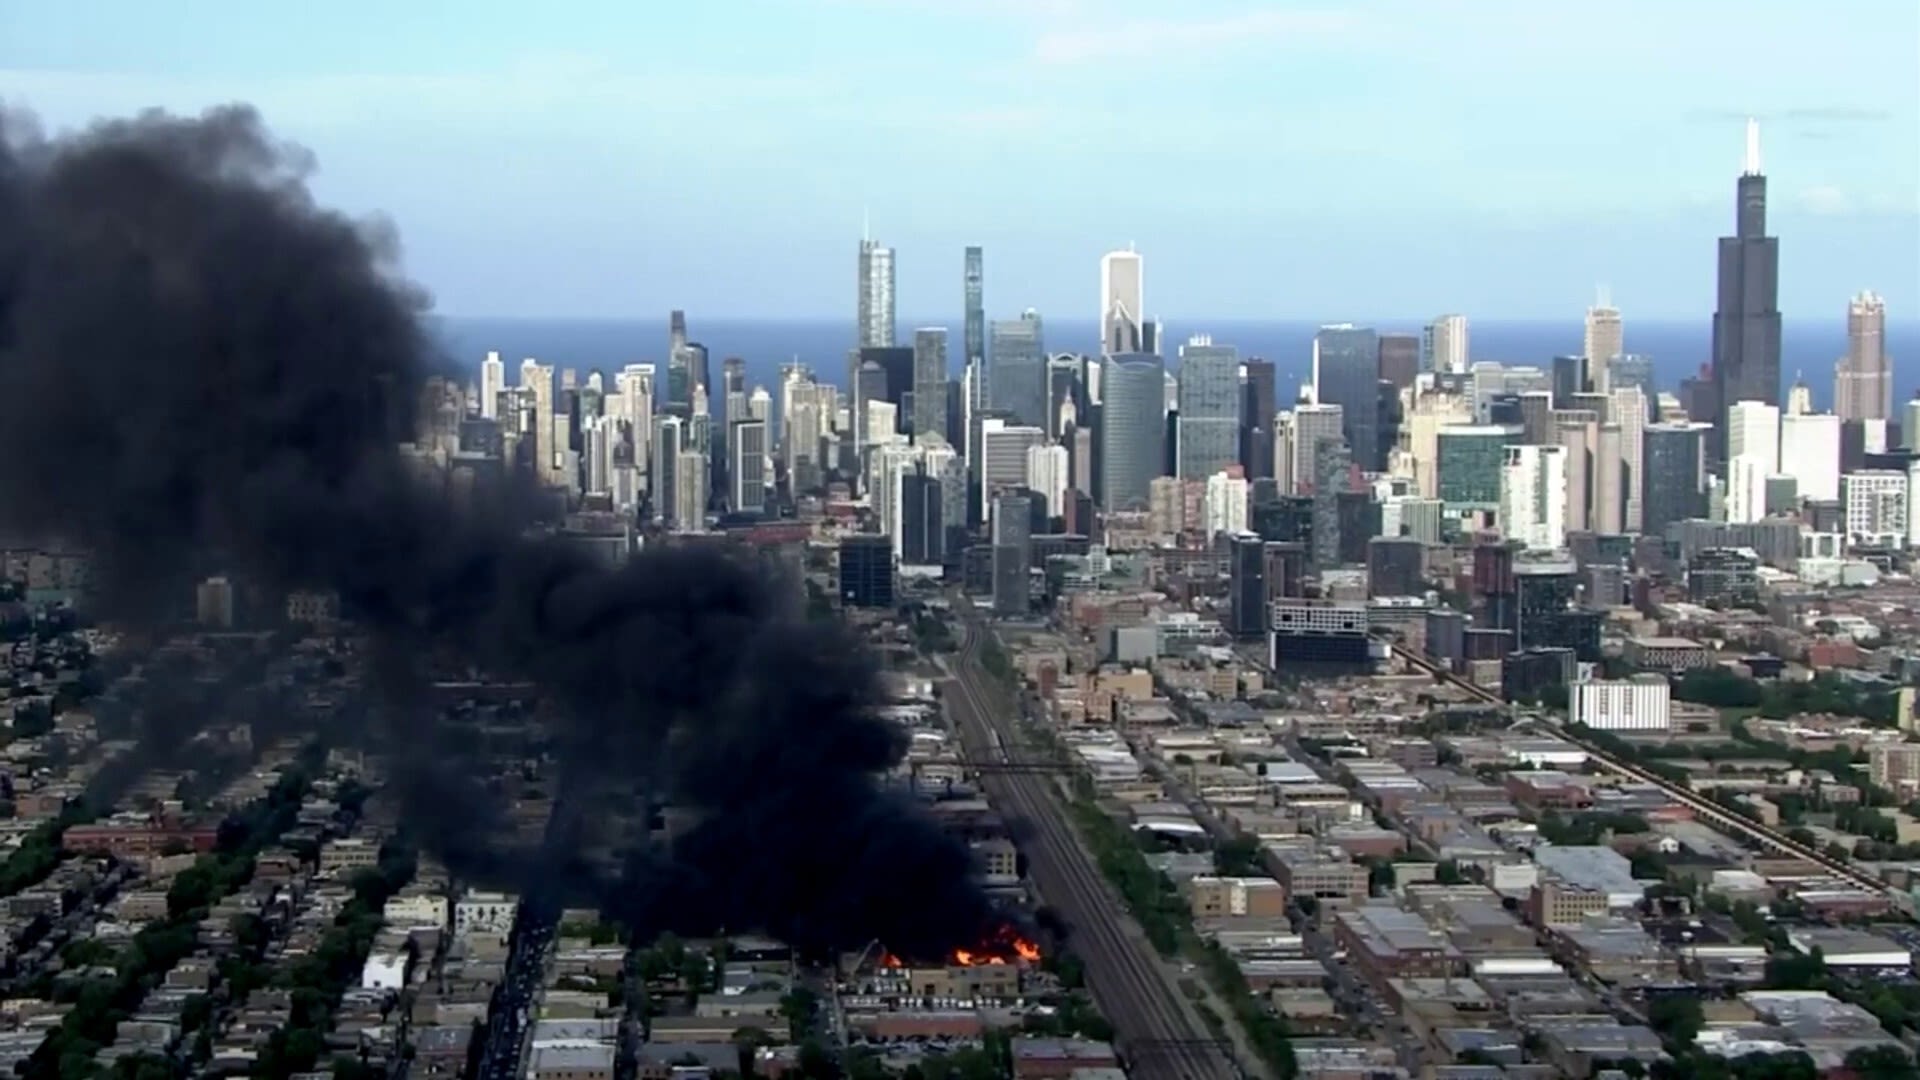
[{"x": 1006, "y": 947}]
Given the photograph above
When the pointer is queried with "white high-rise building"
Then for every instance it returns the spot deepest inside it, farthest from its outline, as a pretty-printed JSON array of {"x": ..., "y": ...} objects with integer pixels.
[
  {"x": 1913, "y": 503},
  {"x": 493, "y": 380},
  {"x": 1226, "y": 503},
  {"x": 1753, "y": 454},
  {"x": 1283, "y": 445},
  {"x": 875, "y": 314},
  {"x": 759, "y": 404},
  {"x": 1875, "y": 503},
  {"x": 883, "y": 423},
  {"x": 1122, "y": 303},
  {"x": 1605, "y": 338},
  {"x": 887, "y": 468},
  {"x": 1810, "y": 453},
  {"x": 1910, "y": 424},
  {"x": 1048, "y": 473},
  {"x": 1643, "y": 704},
  {"x": 1443, "y": 345},
  {"x": 1533, "y": 496}
]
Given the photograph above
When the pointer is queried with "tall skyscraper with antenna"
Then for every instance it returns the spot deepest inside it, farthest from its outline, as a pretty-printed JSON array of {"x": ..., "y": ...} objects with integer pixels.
[{"x": 1746, "y": 319}]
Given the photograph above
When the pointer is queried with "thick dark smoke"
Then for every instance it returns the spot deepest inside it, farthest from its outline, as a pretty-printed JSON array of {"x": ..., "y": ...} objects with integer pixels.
[{"x": 199, "y": 368}]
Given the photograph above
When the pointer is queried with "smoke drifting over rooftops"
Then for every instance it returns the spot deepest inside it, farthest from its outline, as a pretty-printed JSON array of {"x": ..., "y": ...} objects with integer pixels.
[{"x": 194, "y": 358}]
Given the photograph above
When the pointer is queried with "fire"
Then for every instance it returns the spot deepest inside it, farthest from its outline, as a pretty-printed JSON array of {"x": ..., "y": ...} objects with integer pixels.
[{"x": 1006, "y": 946}]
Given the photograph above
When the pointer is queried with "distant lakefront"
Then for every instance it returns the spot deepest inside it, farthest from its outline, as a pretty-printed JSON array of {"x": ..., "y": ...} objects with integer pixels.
[{"x": 1677, "y": 349}]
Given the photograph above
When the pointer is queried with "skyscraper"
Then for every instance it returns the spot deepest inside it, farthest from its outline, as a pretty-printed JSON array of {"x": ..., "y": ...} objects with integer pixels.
[
  {"x": 1399, "y": 359},
  {"x": 1209, "y": 401},
  {"x": 1810, "y": 453},
  {"x": 493, "y": 380},
  {"x": 1533, "y": 496},
  {"x": 1605, "y": 339},
  {"x": 1017, "y": 369},
  {"x": 690, "y": 486},
  {"x": 747, "y": 471},
  {"x": 1346, "y": 372},
  {"x": 1256, "y": 420},
  {"x": 1746, "y": 321},
  {"x": 1627, "y": 407},
  {"x": 1753, "y": 455},
  {"x": 1047, "y": 477},
  {"x": 875, "y": 318},
  {"x": 1670, "y": 489},
  {"x": 686, "y": 373},
  {"x": 538, "y": 379},
  {"x": 1313, "y": 426},
  {"x": 1863, "y": 379},
  {"x": 1122, "y": 303},
  {"x": 663, "y": 477},
  {"x": 1132, "y": 429},
  {"x": 1443, "y": 346},
  {"x": 930, "y": 382},
  {"x": 976, "y": 310}
]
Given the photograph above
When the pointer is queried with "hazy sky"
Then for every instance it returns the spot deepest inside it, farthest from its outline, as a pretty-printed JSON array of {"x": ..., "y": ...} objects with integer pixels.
[{"x": 1396, "y": 158}]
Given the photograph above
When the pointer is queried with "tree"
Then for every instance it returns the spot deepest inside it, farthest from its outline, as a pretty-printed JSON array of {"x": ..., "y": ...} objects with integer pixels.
[
  {"x": 1677, "y": 1017},
  {"x": 801, "y": 1007},
  {"x": 1447, "y": 872},
  {"x": 1238, "y": 857},
  {"x": 1881, "y": 1063},
  {"x": 1719, "y": 687},
  {"x": 32, "y": 720},
  {"x": 1380, "y": 877}
]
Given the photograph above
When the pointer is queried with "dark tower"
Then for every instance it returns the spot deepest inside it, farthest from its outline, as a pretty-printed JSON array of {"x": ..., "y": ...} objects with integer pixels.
[
  {"x": 1746, "y": 321},
  {"x": 1257, "y": 408}
]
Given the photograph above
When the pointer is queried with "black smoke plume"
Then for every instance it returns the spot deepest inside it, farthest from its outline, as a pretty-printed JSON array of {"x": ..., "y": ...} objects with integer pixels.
[{"x": 199, "y": 367}]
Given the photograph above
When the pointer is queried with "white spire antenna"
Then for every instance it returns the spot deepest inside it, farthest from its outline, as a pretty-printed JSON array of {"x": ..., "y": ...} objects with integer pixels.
[{"x": 1753, "y": 147}]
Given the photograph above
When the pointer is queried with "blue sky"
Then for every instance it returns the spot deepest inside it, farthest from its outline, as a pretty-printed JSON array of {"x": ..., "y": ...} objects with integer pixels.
[{"x": 1343, "y": 160}]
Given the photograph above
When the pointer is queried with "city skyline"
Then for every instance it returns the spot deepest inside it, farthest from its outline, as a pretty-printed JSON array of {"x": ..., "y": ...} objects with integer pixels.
[{"x": 735, "y": 186}]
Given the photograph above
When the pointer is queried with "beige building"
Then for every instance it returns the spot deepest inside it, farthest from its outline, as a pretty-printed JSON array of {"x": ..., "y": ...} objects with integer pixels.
[{"x": 1232, "y": 897}]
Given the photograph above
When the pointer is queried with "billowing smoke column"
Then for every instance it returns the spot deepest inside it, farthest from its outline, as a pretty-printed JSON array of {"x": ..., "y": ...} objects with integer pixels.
[{"x": 198, "y": 363}]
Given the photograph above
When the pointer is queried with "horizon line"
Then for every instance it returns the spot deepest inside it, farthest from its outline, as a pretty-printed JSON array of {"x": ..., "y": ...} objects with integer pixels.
[{"x": 908, "y": 325}]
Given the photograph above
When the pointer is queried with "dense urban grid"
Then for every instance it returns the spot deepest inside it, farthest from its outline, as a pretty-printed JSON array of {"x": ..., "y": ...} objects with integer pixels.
[{"x": 1081, "y": 716}]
